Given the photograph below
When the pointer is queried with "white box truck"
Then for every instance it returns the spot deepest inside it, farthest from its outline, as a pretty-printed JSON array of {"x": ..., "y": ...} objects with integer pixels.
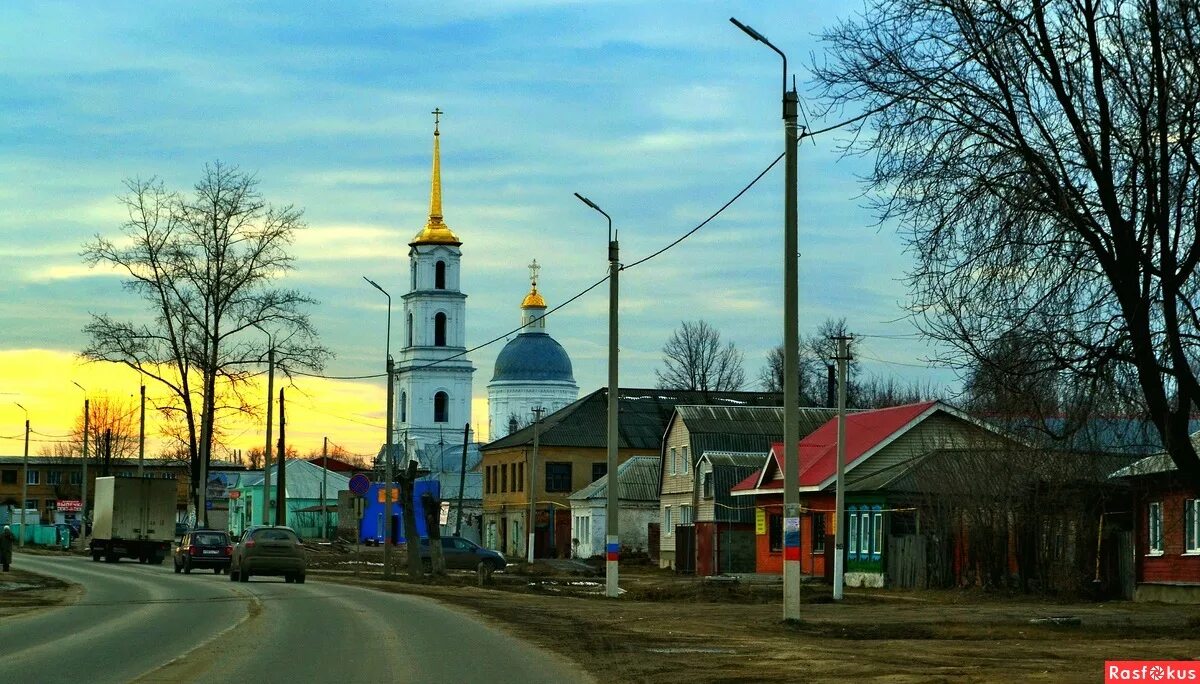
[{"x": 134, "y": 517}]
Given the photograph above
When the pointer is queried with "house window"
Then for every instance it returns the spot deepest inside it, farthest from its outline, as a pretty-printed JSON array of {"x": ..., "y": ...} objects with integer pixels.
[
  {"x": 599, "y": 470},
  {"x": 877, "y": 540},
  {"x": 1156, "y": 541},
  {"x": 487, "y": 480},
  {"x": 706, "y": 484},
  {"x": 33, "y": 476},
  {"x": 521, "y": 476},
  {"x": 8, "y": 477},
  {"x": 439, "y": 275},
  {"x": 852, "y": 538},
  {"x": 672, "y": 460},
  {"x": 558, "y": 477},
  {"x": 512, "y": 473},
  {"x": 1191, "y": 524},
  {"x": 31, "y": 504},
  {"x": 685, "y": 515},
  {"x": 441, "y": 407},
  {"x": 775, "y": 532},
  {"x": 864, "y": 535},
  {"x": 684, "y": 452},
  {"x": 439, "y": 330},
  {"x": 818, "y": 532},
  {"x": 77, "y": 477},
  {"x": 54, "y": 477},
  {"x": 668, "y": 530},
  {"x": 503, "y": 477}
]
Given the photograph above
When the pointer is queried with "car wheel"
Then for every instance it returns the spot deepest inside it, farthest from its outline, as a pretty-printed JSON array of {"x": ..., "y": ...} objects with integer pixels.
[
  {"x": 178, "y": 568},
  {"x": 495, "y": 566},
  {"x": 244, "y": 576},
  {"x": 233, "y": 575},
  {"x": 299, "y": 579},
  {"x": 288, "y": 579},
  {"x": 187, "y": 567}
]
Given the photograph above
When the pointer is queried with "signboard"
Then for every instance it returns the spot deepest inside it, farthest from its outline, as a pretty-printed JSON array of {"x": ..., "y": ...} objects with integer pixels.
[
  {"x": 360, "y": 484},
  {"x": 381, "y": 493},
  {"x": 69, "y": 505},
  {"x": 760, "y": 521}
]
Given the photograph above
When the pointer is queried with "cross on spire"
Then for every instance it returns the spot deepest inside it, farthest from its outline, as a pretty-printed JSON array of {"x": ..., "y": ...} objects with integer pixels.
[
  {"x": 437, "y": 117},
  {"x": 534, "y": 268}
]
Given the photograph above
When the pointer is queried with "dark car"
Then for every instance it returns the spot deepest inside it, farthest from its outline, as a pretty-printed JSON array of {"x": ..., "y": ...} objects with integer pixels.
[
  {"x": 203, "y": 549},
  {"x": 269, "y": 550},
  {"x": 464, "y": 554}
]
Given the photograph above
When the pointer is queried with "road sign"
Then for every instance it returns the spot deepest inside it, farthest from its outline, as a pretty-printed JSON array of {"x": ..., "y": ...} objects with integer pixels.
[
  {"x": 360, "y": 484},
  {"x": 360, "y": 507}
]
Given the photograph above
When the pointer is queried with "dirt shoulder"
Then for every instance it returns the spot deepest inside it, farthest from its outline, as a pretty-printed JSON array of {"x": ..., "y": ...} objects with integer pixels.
[
  {"x": 667, "y": 626},
  {"x": 22, "y": 592}
]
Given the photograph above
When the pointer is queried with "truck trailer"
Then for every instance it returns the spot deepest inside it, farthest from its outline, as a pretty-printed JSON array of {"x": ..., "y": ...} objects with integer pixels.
[{"x": 134, "y": 517}]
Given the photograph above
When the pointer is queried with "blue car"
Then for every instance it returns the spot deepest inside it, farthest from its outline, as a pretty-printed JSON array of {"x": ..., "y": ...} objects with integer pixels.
[{"x": 464, "y": 554}]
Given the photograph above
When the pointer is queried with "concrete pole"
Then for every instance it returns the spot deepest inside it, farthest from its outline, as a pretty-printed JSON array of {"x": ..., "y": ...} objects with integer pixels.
[
  {"x": 281, "y": 470},
  {"x": 25, "y": 483},
  {"x": 389, "y": 474},
  {"x": 142, "y": 437},
  {"x": 83, "y": 499},
  {"x": 266, "y": 502},
  {"x": 612, "y": 538},
  {"x": 537, "y": 424},
  {"x": 839, "y": 555},
  {"x": 324, "y": 486}
]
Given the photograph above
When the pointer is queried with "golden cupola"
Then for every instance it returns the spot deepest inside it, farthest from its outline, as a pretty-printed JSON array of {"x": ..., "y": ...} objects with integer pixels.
[
  {"x": 436, "y": 232},
  {"x": 534, "y": 299}
]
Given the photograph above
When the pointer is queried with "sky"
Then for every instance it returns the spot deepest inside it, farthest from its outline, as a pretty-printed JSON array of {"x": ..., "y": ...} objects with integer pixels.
[{"x": 659, "y": 112}]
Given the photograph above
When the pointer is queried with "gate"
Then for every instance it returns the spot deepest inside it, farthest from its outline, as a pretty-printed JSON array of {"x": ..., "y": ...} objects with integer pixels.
[
  {"x": 685, "y": 549},
  {"x": 653, "y": 540},
  {"x": 907, "y": 562},
  {"x": 736, "y": 552}
]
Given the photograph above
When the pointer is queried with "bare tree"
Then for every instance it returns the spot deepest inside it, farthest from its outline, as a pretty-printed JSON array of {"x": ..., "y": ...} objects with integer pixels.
[
  {"x": 203, "y": 264},
  {"x": 815, "y": 358},
  {"x": 1043, "y": 160},
  {"x": 106, "y": 415},
  {"x": 694, "y": 359}
]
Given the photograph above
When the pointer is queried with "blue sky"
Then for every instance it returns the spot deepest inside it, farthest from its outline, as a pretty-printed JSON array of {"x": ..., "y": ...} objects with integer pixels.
[{"x": 658, "y": 112}]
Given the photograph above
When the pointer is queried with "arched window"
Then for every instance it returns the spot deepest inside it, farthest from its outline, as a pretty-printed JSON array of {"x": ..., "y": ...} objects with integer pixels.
[
  {"x": 439, "y": 330},
  {"x": 409, "y": 331},
  {"x": 441, "y": 407},
  {"x": 439, "y": 275},
  {"x": 404, "y": 407}
]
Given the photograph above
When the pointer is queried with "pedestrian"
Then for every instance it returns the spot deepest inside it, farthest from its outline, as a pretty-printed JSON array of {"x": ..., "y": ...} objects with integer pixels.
[{"x": 6, "y": 543}]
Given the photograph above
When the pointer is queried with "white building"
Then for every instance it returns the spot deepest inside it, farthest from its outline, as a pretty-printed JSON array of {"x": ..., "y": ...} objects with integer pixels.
[
  {"x": 637, "y": 509},
  {"x": 433, "y": 374},
  {"x": 533, "y": 370}
]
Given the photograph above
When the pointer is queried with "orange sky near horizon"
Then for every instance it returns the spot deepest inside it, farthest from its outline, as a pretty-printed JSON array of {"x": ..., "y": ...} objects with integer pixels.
[{"x": 350, "y": 413}]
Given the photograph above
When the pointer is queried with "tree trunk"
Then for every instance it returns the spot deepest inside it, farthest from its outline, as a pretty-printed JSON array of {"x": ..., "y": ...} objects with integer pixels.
[
  {"x": 412, "y": 539},
  {"x": 432, "y": 507}
]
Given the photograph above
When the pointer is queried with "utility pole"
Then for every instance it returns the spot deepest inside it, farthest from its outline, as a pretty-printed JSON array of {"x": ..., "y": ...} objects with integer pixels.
[
  {"x": 388, "y": 474},
  {"x": 281, "y": 469},
  {"x": 142, "y": 438},
  {"x": 324, "y": 485},
  {"x": 537, "y": 424},
  {"x": 24, "y": 480},
  {"x": 83, "y": 499},
  {"x": 842, "y": 358},
  {"x": 462, "y": 480},
  {"x": 266, "y": 503},
  {"x": 791, "y": 344}
]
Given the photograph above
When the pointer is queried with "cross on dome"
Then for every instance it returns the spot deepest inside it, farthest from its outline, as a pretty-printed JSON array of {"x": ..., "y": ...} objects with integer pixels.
[{"x": 534, "y": 268}]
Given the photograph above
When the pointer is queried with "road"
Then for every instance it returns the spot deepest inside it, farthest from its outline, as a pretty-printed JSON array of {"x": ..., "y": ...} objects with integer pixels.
[{"x": 145, "y": 623}]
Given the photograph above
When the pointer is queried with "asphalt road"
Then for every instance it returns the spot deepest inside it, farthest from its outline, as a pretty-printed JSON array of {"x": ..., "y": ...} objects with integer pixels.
[{"x": 145, "y": 623}]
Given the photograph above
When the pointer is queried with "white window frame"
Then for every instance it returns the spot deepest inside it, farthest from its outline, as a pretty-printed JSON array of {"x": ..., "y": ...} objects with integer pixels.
[
  {"x": 864, "y": 535},
  {"x": 672, "y": 461},
  {"x": 685, "y": 515},
  {"x": 1154, "y": 528},
  {"x": 668, "y": 530},
  {"x": 1191, "y": 526},
  {"x": 853, "y": 536},
  {"x": 878, "y": 536},
  {"x": 53, "y": 477},
  {"x": 33, "y": 477},
  {"x": 684, "y": 452}
]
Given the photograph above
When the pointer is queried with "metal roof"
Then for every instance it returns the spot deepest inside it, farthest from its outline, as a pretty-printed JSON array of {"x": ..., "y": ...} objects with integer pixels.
[
  {"x": 637, "y": 477},
  {"x": 1152, "y": 465},
  {"x": 643, "y": 417},
  {"x": 303, "y": 480},
  {"x": 728, "y": 469}
]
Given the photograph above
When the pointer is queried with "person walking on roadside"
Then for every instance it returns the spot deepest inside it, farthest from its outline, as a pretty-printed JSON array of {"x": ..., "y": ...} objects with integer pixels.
[{"x": 6, "y": 545}]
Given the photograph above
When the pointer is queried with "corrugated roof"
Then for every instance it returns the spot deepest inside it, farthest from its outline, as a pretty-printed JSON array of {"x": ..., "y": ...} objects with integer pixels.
[
  {"x": 728, "y": 469},
  {"x": 303, "y": 480},
  {"x": 637, "y": 478},
  {"x": 1158, "y": 463},
  {"x": 644, "y": 414}
]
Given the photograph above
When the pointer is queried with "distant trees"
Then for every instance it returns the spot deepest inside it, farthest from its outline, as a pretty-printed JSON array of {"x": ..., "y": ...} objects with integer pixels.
[
  {"x": 204, "y": 266},
  {"x": 112, "y": 430},
  {"x": 1043, "y": 160},
  {"x": 695, "y": 359}
]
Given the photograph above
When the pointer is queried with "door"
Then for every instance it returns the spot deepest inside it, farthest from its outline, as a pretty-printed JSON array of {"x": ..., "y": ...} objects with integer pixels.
[{"x": 652, "y": 539}]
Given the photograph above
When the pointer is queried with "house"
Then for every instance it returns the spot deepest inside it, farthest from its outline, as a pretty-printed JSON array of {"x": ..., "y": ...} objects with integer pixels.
[
  {"x": 1166, "y": 530},
  {"x": 312, "y": 495},
  {"x": 444, "y": 465},
  {"x": 881, "y": 445},
  {"x": 573, "y": 453},
  {"x": 637, "y": 508},
  {"x": 692, "y": 431},
  {"x": 724, "y": 525}
]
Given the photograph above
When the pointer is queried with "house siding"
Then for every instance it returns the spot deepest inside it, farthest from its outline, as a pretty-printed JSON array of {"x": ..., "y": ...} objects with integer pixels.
[{"x": 938, "y": 431}]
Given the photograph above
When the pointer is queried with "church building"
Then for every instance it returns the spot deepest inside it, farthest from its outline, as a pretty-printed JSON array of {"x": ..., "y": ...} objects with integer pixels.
[{"x": 533, "y": 370}]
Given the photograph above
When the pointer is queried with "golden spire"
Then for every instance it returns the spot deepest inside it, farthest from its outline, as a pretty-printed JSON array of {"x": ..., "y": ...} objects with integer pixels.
[
  {"x": 436, "y": 232},
  {"x": 534, "y": 298}
]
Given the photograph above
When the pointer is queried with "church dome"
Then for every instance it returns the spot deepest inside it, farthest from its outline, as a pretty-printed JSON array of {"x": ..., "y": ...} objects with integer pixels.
[{"x": 533, "y": 357}]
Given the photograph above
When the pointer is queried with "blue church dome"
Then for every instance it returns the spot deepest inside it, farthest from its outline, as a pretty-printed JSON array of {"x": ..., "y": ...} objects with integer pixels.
[{"x": 533, "y": 357}]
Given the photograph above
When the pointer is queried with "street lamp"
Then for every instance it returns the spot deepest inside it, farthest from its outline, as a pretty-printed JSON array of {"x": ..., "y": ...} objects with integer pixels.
[
  {"x": 25, "y": 479},
  {"x": 791, "y": 361},
  {"x": 83, "y": 497},
  {"x": 266, "y": 502},
  {"x": 388, "y": 475},
  {"x": 612, "y": 541}
]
